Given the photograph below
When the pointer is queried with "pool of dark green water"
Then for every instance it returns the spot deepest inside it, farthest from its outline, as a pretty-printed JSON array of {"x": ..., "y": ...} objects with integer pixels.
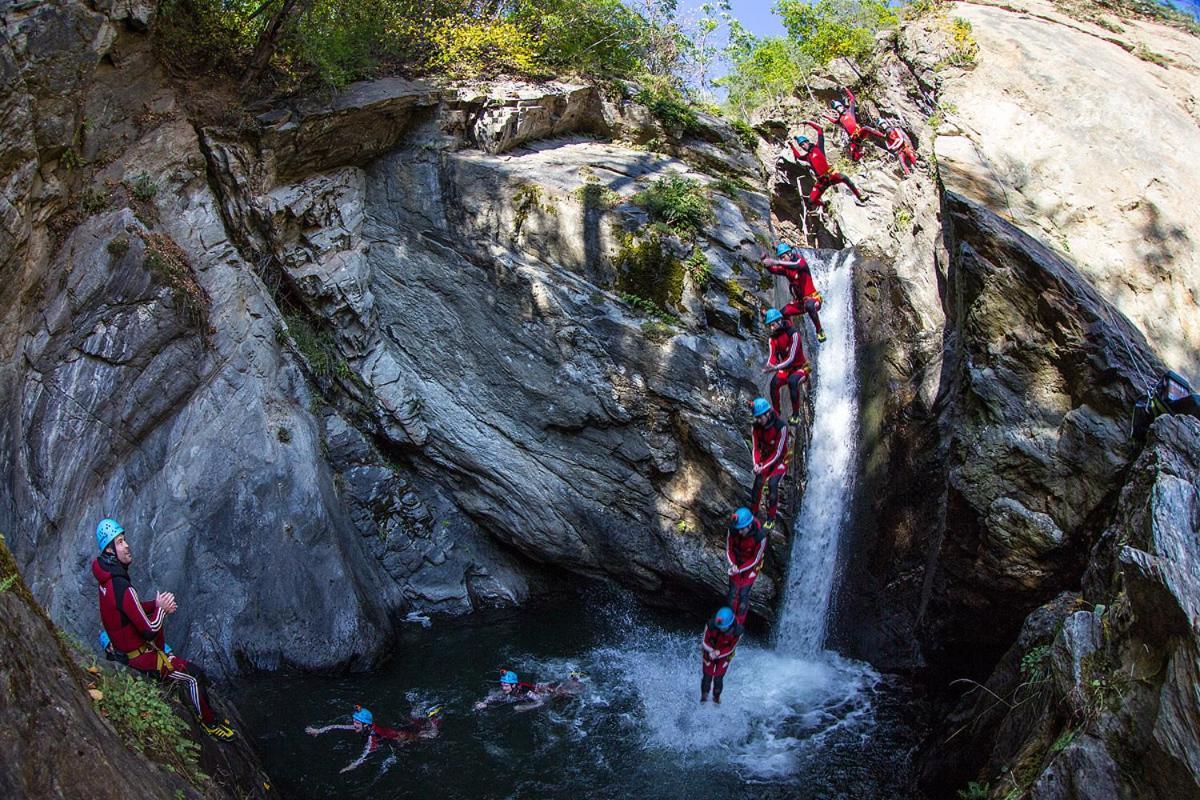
[{"x": 823, "y": 727}]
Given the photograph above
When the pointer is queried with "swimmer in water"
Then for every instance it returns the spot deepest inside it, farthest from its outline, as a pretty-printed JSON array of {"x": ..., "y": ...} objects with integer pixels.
[
  {"x": 527, "y": 696},
  {"x": 426, "y": 726}
]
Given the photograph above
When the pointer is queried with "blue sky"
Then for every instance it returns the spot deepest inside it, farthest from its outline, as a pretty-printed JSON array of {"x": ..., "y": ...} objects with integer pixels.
[{"x": 757, "y": 17}]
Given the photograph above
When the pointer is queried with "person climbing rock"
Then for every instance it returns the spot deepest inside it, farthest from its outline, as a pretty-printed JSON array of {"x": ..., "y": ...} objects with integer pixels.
[
  {"x": 805, "y": 298},
  {"x": 786, "y": 359},
  {"x": 721, "y": 636},
  {"x": 426, "y": 725},
  {"x": 1171, "y": 395},
  {"x": 846, "y": 115},
  {"x": 769, "y": 445},
  {"x": 745, "y": 547},
  {"x": 899, "y": 143},
  {"x": 527, "y": 696},
  {"x": 813, "y": 154},
  {"x": 135, "y": 626}
]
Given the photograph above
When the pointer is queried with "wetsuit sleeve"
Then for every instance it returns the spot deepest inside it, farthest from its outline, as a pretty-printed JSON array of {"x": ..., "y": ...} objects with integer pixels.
[
  {"x": 796, "y": 150},
  {"x": 853, "y": 101},
  {"x": 146, "y": 624},
  {"x": 827, "y": 118},
  {"x": 729, "y": 549},
  {"x": 820, "y": 133},
  {"x": 775, "y": 267},
  {"x": 754, "y": 434},
  {"x": 328, "y": 728},
  {"x": 370, "y": 748}
]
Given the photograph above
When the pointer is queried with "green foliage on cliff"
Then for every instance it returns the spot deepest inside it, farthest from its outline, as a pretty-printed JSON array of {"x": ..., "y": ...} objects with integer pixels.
[
  {"x": 670, "y": 108},
  {"x": 680, "y": 203},
  {"x": 294, "y": 42},
  {"x": 761, "y": 70},
  {"x": 829, "y": 29},
  {"x": 137, "y": 709}
]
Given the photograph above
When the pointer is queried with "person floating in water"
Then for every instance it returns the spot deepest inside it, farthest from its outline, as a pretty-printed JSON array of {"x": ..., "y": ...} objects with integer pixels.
[
  {"x": 786, "y": 359},
  {"x": 769, "y": 449},
  {"x": 425, "y": 726},
  {"x": 814, "y": 156},
  {"x": 805, "y": 298},
  {"x": 720, "y": 639},
  {"x": 745, "y": 547},
  {"x": 527, "y": 696},
  {"x": 846, "y": 114}
]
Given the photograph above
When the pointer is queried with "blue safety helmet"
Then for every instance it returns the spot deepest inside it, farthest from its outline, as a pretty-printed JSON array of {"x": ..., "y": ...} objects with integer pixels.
[
  {"x": 772, "y": 316},
  {"x": 104, "y": 640},
  {"x": 363, "y": 715},
  {"x": 724, "y": 618},
  {"x": 802, "y": 140},
  {"x": 742, "y": 518},
  {"x": 837, "y": 104},
  {"x": 106, "y": 531},
  {"x": 782, "y": 249},
  {"x": 760, "y": 407},
  {"x": 509, "y": 677}
]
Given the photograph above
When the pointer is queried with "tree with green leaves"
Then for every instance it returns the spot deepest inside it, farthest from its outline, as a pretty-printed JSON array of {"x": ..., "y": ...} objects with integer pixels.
[
  {"x": 829, "y": 29},
  {"x": 762, "y": 70}
]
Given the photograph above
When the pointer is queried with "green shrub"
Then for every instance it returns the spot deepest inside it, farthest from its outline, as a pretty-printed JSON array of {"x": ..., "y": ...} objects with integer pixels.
[
  {"x": 594, "y": 194},
  {"x": 466, "y": 47},
  {"x": 118, "y": 246},
  {"x": 1146, "y": 54},
  {"x": 829, "y": 29},
  {"x": 604, "y": 38},
  {"x": 975, "y": 791},
  {"x": 761, "y": 71},
  {"x": 962, "y": 41},
  {"x": 680, "y": 203},
  {"x": 93, "y": 199},
  {"x": 1035, "y": 664},
  {"x": 698, "y": 269},
  {"x": 657, "y": 331},
  {"x": 670, "y": 109},
  {"x": 142, "y": 717},
  {"x": 746, "y": 133}
]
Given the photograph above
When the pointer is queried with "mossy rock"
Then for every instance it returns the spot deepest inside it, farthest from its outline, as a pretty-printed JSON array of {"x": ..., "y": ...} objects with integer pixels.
[{"x": 647, "y": 268}]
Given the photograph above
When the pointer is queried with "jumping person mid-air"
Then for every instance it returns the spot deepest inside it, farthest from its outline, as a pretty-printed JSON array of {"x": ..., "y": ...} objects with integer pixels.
[
  {"x": 846, "y": 115},
  {"x": 813, "y": 154},
  {"x": 805, "y": 298},
  {"x": 720, "y": 639},
  {"x": 745, "y": 547},
  {"x": 769, "y": 450}
]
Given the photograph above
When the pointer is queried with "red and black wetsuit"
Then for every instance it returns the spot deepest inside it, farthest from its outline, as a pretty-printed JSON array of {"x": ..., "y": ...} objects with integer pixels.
[
  {"x": 770, "y": 451},
  {"x": 744, "y": 550},
  {"x": 415, "y": 728},
  {"x": 848, "y": 119},
  {"x": 815, "y": 158},
  {"x": 135, "y": 627},
  {"x": 714, "y": 669},
  {"x": 787, "y": 355},
  {"x": 899, "y": 143},
  {"x": 805, "y": 297}
]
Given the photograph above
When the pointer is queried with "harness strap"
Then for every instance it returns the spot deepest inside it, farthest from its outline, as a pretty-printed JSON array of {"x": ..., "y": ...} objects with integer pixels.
[{"x": 162, "y": 660}]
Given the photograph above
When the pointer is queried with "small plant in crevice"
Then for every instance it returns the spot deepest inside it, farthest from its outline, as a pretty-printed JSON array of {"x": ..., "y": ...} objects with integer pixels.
[
  {"x": 283, "y": 434},
  {"x": 318, "y": 349},
  {"x": 964, "y": 48},
  {"x": 680, "y": 203},
  {"x": 94, "y": 199},
  {"x": 746, "y": 133},
  {"x": 527, "y": 199},
  {"x": 671, "y": 110},
  {"x": 595, "y": 195},
  {"x": 698, "y": 269},
  {"x": 657, "y": 331},
  {"x": 117, "y": 246},
  {"x": 143, "y": 187},
  {"x": 975, "y": 791},
  {"x": 167, "y": 260},
  {"x": 730, "y": 186},
  {"x": 1035, "y": 664},
  {"x": 1148, "y": 55},
  {"x": 902, "y": 218}
]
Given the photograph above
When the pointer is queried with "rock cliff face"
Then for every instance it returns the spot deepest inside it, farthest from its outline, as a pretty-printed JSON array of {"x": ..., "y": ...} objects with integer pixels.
[{"x": 365, "y": 355}]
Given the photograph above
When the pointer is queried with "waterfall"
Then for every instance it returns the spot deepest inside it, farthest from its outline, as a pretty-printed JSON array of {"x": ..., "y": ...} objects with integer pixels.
[{"x": 824, "y": 511}]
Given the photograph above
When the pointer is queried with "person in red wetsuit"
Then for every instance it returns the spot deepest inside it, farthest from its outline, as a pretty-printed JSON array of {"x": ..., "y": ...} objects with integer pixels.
[
  {"x": 846, "y": 115},
  {"x": 424, "y": 726},
  {"x": 769, "y": 447},
  {"x": 745, "y": 547},
  {"x": 135, "y": 626},
  {"x": 787, "y": 361},
  {"x": 805, "y": 298},
  {"x": 529, "y": 695},
  {"x": 720, "y": 639},
  {"x": 813, "y": 155},
  {"x": 899, "y": 143}
]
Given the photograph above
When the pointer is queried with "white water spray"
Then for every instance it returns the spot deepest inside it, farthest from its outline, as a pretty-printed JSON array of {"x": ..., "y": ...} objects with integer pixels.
[{"x": 824, "y": 511}]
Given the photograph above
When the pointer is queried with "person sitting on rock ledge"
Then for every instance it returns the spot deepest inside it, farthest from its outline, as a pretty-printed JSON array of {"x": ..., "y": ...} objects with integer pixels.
[
  {"x": 786, "y": 359},
  {"x": 805, "y": 298},
  {"x": 135, "y": 627},
  {"x": 529, "y": 695},
  {"x": 846, "y": 115},
  {"x": 720, "y": 640},
  {"x": 1171, "y": 395},
  {"x": 814, "y": 156},
  {"x": 745, "y": 547},
  {"x": 423, "y": 726},
  {"x": 769, "y": 450}
]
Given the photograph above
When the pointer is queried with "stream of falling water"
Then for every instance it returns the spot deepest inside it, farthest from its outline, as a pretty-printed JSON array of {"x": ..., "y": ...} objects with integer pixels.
[{"x": 824, "y": 511}]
